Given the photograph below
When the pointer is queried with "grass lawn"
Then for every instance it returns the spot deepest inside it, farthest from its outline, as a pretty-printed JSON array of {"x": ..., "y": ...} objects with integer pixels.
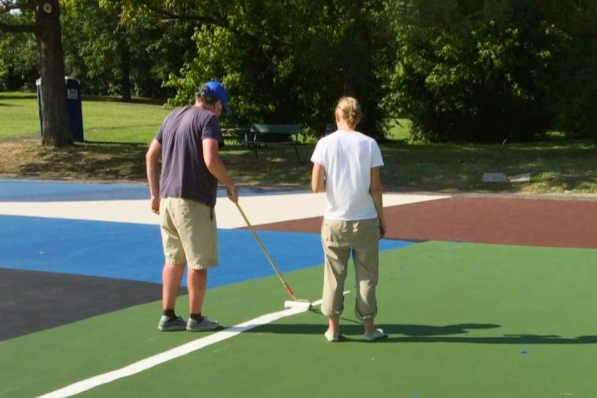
[
  {"x": 117, "y": 134},
  {"x": 18, "y": 115},
  {"x": 103, "y": 120},
  {"x": 399, "y": 130}
]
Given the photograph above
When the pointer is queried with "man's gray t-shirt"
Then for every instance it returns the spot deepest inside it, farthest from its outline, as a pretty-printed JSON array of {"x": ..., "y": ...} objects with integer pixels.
[{"x": 184, "y": 173}]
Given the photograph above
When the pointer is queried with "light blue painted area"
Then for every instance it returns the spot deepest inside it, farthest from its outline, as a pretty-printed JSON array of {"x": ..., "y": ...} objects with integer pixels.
[
  {"x": 134, "y": 252},
  {"x": 54, "y": 191}
]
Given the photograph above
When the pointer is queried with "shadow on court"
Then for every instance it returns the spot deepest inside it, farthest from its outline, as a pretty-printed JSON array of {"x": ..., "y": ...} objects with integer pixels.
[{"x": 405, "y": 333}]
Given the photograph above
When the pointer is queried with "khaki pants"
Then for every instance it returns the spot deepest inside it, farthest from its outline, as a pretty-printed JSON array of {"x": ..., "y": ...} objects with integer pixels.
[
  {"x": 189, "y": 233},
  {"x": 340, "y": 239}
]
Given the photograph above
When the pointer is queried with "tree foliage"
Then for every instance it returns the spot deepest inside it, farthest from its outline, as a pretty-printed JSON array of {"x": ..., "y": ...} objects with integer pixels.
[
  {"x": 19, "y": 62},
  {"x": 475, "y": 71},
  {"x": 126, "y": 57},
  {"x": 289, "y": 61},
  {"x": 574, "y": 89},
  {"x": 462, "y": 70}
]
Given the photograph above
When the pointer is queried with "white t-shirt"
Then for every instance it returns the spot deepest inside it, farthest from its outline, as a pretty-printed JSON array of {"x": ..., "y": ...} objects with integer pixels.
[{"x": 348, "y": 157}]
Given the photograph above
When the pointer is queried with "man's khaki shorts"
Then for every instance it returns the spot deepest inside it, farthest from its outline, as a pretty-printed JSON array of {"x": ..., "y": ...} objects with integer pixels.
[{"x": 189, "y": 233}]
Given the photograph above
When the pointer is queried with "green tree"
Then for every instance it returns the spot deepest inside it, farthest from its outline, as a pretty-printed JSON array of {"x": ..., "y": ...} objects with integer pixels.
[
  {"x": 2, "y": 74},
  {"x": 97, "y": 48},
  {"x": 289, "y": 61},
  {"x": 474, "y": 70},
  {"x": 574, "y": 89},
  {"x": 577, "y": 18},
  {"x": 42, "y": 19},
  {"x": 126, "y": 57},
  {"x": 19, "y": 62}
]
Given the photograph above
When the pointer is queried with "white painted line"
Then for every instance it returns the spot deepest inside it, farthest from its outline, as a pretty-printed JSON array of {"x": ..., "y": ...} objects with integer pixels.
[
  {"x": 169, "y": 355},
  {"x": 174, "y": 353},
  {"x": 260, "y": 209}
]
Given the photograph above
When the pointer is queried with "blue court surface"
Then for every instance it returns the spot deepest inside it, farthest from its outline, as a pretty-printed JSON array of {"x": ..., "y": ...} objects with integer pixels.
[
  {"x": 58, "y": 191},
  {"x": 133, "y": 251},
  {"x": 51, "y": 191}
]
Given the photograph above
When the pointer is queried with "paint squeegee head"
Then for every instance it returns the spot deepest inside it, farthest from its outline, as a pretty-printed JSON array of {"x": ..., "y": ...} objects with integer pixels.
[{"x": 298, "y": 305}]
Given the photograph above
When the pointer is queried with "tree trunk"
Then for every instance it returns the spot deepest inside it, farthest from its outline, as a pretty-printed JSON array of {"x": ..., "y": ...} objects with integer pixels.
[
  {"x": 55, "y": 118},
  {"x": 125, "y": 65},
  {"x": 125, "y": 68}
]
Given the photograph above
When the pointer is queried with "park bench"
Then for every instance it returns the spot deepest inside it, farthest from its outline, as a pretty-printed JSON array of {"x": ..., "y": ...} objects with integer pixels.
[
  {"x": 234, "y": 134},
  {"x": 263, "y": 135}
]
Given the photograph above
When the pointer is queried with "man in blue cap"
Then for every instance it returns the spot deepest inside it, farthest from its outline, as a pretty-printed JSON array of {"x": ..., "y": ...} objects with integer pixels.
[{"x": 188, "y": 143}]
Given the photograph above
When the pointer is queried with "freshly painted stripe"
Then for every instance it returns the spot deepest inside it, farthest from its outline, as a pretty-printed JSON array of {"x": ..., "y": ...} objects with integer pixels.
[
  {"x": 174, "y": 353},
  {"x": 169, "y": 355}
]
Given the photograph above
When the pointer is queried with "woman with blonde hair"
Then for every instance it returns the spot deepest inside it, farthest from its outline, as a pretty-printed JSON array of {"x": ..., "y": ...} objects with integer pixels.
[{"x": 346, "y": 167}]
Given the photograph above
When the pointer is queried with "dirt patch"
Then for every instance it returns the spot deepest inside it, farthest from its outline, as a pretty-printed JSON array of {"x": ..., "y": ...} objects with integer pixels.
[
  {"x": 29, "y": 159},
  {"x": 102, "y": 161}
]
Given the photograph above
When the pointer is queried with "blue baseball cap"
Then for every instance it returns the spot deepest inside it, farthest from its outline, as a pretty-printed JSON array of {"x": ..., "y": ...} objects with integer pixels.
[{"x": 219, "y": 91}]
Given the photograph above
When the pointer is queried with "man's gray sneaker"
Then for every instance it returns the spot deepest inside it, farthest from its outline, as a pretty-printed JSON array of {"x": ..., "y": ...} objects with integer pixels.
[
  {"x": 171, "y": 325},
  {"x": 205, "y": 324}
]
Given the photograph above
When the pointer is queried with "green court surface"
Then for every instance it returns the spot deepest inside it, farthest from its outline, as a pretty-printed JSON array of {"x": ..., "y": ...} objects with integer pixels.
[{"x": 464, "y": 320}]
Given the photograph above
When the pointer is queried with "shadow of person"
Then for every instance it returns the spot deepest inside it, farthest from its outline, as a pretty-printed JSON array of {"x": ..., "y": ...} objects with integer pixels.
[
  {"x": 428, "y": 330},
  {"x": 357, "y": 329},
  {"x": 408, "y": 333}
]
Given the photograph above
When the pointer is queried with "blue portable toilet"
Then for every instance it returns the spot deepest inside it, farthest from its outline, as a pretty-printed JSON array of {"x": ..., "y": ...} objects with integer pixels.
[{"x": 74, "y": 104}]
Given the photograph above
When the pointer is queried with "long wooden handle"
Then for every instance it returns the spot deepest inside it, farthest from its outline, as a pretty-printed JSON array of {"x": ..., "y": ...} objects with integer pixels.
[{"x": 271, "y": 261}]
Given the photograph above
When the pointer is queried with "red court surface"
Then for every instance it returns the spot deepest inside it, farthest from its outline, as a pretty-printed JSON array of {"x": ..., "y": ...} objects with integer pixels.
[{"x": 512, "y": 221}]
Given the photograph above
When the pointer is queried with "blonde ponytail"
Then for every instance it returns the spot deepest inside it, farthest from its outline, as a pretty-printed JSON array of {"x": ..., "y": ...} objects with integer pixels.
[{"x": 350, "y": 111}]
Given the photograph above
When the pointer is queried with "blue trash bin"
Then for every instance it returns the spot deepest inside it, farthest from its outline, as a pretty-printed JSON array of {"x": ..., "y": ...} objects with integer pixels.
[{"x": 74, "y": 104}]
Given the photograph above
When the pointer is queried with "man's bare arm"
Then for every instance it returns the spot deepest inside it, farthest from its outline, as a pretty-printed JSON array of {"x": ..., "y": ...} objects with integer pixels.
[
  {"x": 152, "y": 157},
  {"x": 215, "y": 165}
]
